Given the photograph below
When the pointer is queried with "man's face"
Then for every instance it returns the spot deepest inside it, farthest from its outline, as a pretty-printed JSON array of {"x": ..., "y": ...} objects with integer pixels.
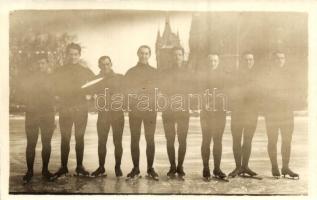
[
  {"x": 73, "y": 56},
  {"x": 178, "y": 56},
  {"x": 280, "y": 59},
  {"x": 43, "y": 65},
  {"x": 249, "y": 60},
  {"x": 105, "y": 65},
  {"x": 213, "y": 61},
  {"x": 144, "y": 55}
]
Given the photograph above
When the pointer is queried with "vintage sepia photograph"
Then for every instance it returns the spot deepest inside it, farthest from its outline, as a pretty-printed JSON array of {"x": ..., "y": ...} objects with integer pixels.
[{"x": 149, "y": 102}]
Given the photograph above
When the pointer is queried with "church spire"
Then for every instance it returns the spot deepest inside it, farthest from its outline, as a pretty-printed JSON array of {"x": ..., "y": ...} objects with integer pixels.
[
  {"x": 167, "y": 18},
  {"x": 167, "y": 29},
  {"x": 165, "y": 43}
]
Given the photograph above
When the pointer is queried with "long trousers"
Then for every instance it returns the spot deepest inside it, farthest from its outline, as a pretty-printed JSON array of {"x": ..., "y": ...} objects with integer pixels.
[
  {"x": 34, "y": 123},
  {"x": 67, "y": 118},
  {"x": 212, "y": 126},
  {"x": 115, "y": 120},
  {"x": 176, "y": 123},
  {"x": 243, "y": 125},
  {"x": 149, "y": 121},
  {"x": 283, "y": 122}
]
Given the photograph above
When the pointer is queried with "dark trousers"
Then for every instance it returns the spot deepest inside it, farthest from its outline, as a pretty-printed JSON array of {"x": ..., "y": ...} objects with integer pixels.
[
  {"x": 149, "y": 121},
  {"x": 212, "y": 126},
  {"x": 67, "y": 118},
  {"x": 34, "y": 122},
  {"x": 115, "y": 120},
  {"x": 176, "y": 123},
  {"x": 243, "y": 124},
  {"x": 283, "y": 122}
]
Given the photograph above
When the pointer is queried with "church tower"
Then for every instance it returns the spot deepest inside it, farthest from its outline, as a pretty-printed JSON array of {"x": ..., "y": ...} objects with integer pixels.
[{"x": 164, "y": 45}]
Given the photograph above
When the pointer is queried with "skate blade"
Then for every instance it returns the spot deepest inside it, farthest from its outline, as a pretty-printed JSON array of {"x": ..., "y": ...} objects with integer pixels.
[
  {"x": 152, "y": 178},
  {"x": 207, "y": 179},
  {"x": 134, "y": 178},
  {"x": 292, "y": 178},
  {"x": 81, "y": 175},
  {"x": 63, "y": 176},
  {"x": 99, "y": 175},
  {"x": 232, "y": 175},
  {"x": 225, "y": 179}
]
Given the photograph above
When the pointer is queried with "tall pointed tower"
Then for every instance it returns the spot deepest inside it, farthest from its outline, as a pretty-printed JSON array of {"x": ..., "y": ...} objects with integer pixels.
[{"x": 164, "y": 45}]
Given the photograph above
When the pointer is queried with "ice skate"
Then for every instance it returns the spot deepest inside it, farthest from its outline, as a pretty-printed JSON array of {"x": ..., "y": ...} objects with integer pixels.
[
  {"x": 152, "y": 174},
  {"x": 48, "y": 175},
  {"x": 172, "y": 172},
  {"x": 63, "y": 171},
  {"x": 246, "y": 172},
  {"x": 276, "y": 172},
  {"x": 99, "y": 172},
  {"x": 27, "y": 177},
  {"x": 81, "y": 171},
  {"x": 235, "y": 172},
  {"x": 287, "y": 172},
  {"x": 134, "y": 174},
  {"x": 206, "y": 174},
  {"x": 180, "y": 172},
  {"x": 218, "y": 174}
]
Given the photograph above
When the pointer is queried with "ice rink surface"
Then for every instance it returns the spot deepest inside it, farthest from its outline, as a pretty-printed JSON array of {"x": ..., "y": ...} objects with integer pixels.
[{"x": 193, "y": 183}]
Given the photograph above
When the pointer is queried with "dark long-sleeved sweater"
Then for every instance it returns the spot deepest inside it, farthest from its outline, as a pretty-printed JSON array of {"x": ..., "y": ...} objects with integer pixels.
[{"x": 68, "y": 80}]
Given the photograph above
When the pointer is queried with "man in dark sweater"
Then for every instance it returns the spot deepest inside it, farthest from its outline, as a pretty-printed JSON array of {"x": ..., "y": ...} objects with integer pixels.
[
  {"x": 140, "y": 80},
  {"x": 39, "y": 115},
  {"x": 213, "y": 117},
  {"x": 244, "y": 114},
  {"x": 73, "y": 107},
  {"x": 109, "y": 117},
  {"x": 279, "y": 115},
  {"x": 176, "y": 81}
]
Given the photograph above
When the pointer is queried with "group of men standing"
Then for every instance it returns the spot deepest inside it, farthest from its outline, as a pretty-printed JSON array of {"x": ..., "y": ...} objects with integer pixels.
[{"x": 64, "y": 86}]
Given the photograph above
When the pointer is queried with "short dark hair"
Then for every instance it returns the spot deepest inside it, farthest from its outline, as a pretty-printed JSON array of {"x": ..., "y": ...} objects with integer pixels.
[
  {"x": 73, "y": 46},
  {"x": 178, "y": 48},
  {"x": 144, "y": 46},
  {"x": 103, "y": 58}
]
